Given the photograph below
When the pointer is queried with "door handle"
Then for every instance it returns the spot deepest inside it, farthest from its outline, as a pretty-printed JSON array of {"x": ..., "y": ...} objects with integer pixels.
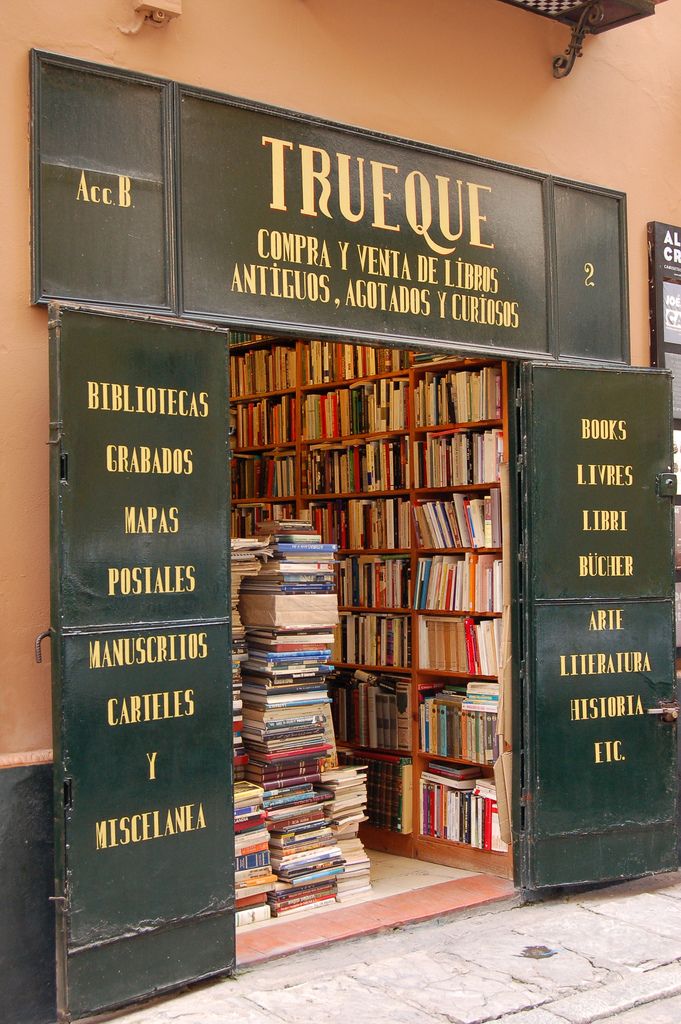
[{"x": 667, "y": 709}]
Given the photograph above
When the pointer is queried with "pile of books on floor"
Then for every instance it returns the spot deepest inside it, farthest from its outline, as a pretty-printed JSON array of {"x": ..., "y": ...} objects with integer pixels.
[
  {"x": 253, "y": 878},
  {"x": 246, "y": 559},
  {"x": 289, "y": 610},
  {"x": 345, "y": 790},
  {"x": 304, "y": 855}
]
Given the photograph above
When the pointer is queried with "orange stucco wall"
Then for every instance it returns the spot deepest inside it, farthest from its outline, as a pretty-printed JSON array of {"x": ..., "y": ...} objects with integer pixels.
[{"x": 471, "y": 75}]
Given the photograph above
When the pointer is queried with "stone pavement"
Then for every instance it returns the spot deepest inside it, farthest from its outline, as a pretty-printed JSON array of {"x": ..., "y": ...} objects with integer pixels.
[{"x": 608, "y": 955}]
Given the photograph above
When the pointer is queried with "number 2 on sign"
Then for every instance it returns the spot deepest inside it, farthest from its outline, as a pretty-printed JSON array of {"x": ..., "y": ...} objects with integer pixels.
[{"x": 589, "y": 279}]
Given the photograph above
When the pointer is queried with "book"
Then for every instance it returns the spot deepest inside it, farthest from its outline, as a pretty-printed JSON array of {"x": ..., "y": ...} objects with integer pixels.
[{"x": 250, "y": 915}]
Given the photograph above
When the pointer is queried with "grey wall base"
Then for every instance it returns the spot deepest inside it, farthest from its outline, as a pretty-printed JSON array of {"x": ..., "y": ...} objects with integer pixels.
[{"x": 27, "y": 951}]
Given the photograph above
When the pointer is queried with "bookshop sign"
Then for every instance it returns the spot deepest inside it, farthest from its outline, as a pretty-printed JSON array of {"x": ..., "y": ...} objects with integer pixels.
[{"x": 202, "y": 205}]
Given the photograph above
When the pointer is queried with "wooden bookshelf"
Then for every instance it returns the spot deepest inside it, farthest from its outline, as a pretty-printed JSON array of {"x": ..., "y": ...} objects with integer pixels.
[{"x": 412, "y": 845}]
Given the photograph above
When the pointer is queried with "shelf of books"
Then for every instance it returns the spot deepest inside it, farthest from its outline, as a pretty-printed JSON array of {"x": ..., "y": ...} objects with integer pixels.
[{"x": 394, "y": 459}]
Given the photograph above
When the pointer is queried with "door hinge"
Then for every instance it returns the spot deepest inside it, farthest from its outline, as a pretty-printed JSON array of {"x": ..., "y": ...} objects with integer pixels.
[
  {"x": 518, "y": 398},
  {"x": 55, "y": 432}
]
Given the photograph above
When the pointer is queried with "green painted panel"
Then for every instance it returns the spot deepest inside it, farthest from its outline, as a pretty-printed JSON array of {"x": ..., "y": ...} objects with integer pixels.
[
  {"x": 102, "y": 190},
  {"x": 598, "y": 667},
  {"x": 590, "y": 284},
  {"x": 609, "y": 856},
  {"x": 150, "y": 963},
  {"x": 143, "y": 488},
  {"x": 147, "y": 750},
  {"x": 598, "y": 441}
]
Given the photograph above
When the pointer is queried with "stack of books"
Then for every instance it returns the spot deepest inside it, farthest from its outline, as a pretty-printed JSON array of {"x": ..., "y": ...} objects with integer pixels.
[
  {"x": 345, "y": 790},
  {"x": 246, "y": 561},
  {"x": 304, "y": 854},
  {"x": 253, "y": 878},
  {"x": 289, "y": 610}
]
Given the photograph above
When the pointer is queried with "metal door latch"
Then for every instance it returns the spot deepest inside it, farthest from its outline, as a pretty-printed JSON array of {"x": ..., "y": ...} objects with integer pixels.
[
  {"x": 666, "y": 485},
  {"x": 667, "y": 709}
]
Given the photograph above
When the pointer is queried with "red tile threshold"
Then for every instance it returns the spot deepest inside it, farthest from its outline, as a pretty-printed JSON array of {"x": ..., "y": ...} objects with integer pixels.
[{"x": 367, "y": 918}]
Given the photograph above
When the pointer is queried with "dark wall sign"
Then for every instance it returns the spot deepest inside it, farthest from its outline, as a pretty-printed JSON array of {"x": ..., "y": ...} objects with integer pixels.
[
  {"x": 141, "y": 670},
  {"x": 102, "y": 186},
  {"x": 325, "y": 227},
  {"x": 599, "y": 627},
  {"x": 288, "y": 223},
  {"x": 664, "y": 279},
  {"x": 591, "y": 284}
]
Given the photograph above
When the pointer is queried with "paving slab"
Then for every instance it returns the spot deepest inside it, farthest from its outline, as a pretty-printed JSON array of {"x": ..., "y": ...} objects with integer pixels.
[
  {"x": 339, "y": 1000},
  {"x": 442, "y": 984},
  {"x": 665, "y": 1011},
  {"x": 536, "y": 1016},
  {"x": 651, "y": 911},
  {"x": 606, "y": 941},
  {"x": 213, "y": 1003},
  {"x": 502, "y": 950},
  {"x": 609, "y": 1000}
]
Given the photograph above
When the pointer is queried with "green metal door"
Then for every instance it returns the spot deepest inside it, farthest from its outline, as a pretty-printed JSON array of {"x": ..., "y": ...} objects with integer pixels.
[
  {"x": 140, "y": 642},
  {"x": 598, "y": 727}
]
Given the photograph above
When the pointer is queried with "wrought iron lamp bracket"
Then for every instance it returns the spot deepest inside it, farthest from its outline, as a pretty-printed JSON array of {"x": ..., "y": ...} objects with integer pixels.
[{"x": 590, "y": 17}]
